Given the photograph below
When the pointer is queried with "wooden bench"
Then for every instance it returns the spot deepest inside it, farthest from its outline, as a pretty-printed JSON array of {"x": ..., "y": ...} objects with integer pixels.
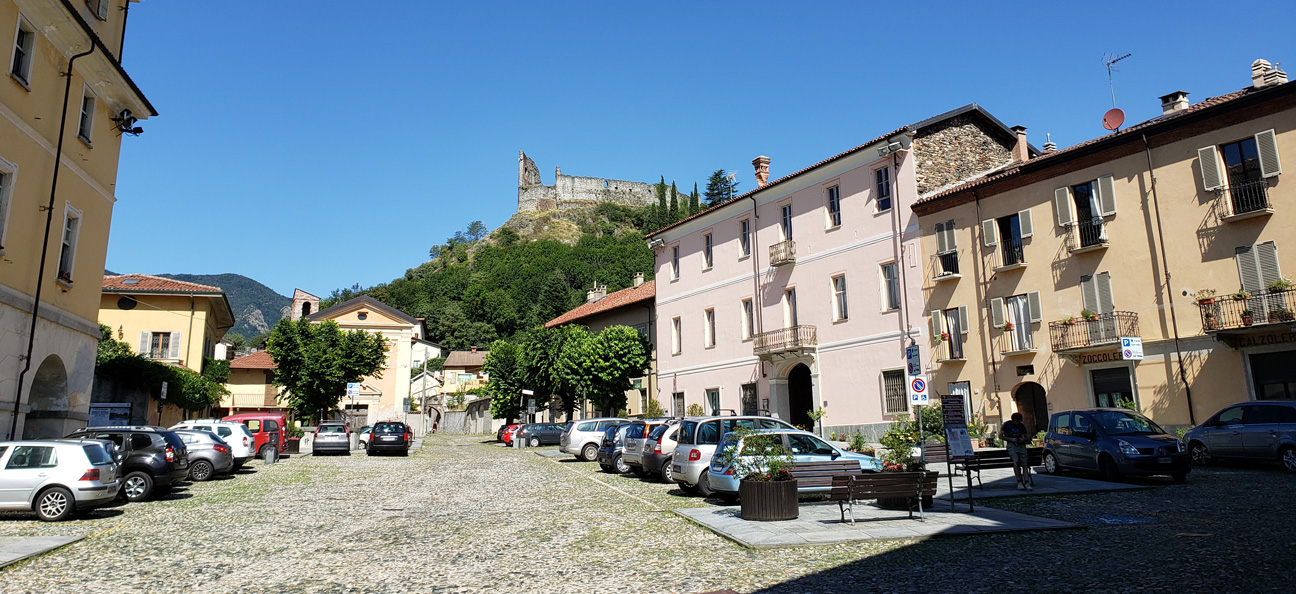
[
  {"x": 821, "y": 474},
  {"x": 847, "y": 489},
  {"x": 987, "y": 459}
]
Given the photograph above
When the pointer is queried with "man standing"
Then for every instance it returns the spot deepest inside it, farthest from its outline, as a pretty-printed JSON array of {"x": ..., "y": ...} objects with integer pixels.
[{"x": 1016, "y": 440}]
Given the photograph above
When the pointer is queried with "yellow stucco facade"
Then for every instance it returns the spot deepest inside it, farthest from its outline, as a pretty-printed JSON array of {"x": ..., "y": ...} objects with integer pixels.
[
  {"x": 381, "y": 398},
  {"x": 52, "y": 388},
  {"x": 176, "y": 327}
]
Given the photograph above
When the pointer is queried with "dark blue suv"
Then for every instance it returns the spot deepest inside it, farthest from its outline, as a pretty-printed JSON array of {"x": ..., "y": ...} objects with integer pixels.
[{"x": 1113, "y": 442}]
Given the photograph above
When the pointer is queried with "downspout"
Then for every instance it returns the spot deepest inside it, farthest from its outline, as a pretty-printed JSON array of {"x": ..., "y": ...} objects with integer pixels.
[
  {"x": 899, "y": 253},
  {"x": 652, "y": 332},
  {"x": 979, "y": 271},
  {"x": 49, "y": 219},
  {"x": 125, "y": 15},
  {"x": 188, "y": 350},
  {"x": 758, "y": 309},
  {"x": 1165, "y": 269}
]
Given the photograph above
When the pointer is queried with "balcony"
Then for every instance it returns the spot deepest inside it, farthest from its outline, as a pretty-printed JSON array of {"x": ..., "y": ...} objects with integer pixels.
[
  {"x": 950, "y": 351},
  {"x": 1011, "y": 343},
  {"x": 786, "y": 340},
  {"x": 946, "y": 266},
  {"x": 1010, "y": 254},
  {"x": 1245, "y": 200},
  {"x": 1227, "y": 315},
  {"x": 1086, "y": 236},
  {"x": 1103, "y": 331},
  {"x": 783, "y": 253}
]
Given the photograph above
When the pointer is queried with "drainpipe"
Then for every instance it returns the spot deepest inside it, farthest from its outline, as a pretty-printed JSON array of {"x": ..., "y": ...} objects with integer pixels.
[
  {"x": 896, "y": 226},
  {"x": 757, "y": 308},
  {"x": 125, "y": 14},
  {"x": 49, "y": 219},
  {"x": 1165, "y": 269}
]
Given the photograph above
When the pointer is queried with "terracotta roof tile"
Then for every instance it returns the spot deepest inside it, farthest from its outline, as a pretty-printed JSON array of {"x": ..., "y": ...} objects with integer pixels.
[
  {"x": 622, "y": 298},
  {"x": 145, "y": 283},
  {"x": 257, "y": 360},
  {"x": 465, "y": 359}
]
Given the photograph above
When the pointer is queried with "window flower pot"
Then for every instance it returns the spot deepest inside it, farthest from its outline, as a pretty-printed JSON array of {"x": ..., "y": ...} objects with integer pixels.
[
  {"x": 764, "y": 501},
  {"x": 1248, "y": 320}
]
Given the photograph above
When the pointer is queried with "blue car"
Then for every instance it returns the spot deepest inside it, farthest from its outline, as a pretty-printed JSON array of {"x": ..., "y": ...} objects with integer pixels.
[
  {"x": 1113, "y": 442},
  {"x": 804, "y": 446}
]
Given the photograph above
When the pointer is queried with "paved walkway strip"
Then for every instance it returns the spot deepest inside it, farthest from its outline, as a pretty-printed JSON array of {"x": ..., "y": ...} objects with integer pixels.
[{"x": 16, "y": 548}]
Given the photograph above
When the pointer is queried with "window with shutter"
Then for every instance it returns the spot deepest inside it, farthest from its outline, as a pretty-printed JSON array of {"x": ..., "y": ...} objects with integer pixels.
[
  {"x": 1267, "y": 259},
  {"x": 937, "y": 327},
  {"x": 1024, "y": 223},
  {"x": 989, "y": 233},
  {"x": 1248, "y": 269},
  {"x": 175, "y": 345},
  {"x": 963, "y": 319},
  {"x": 1208, "y": 160},
  {"x": 940, "y": 239},
  {"x": 1062, "y": 206},
  {"x": 144, "y": 341},
  {"x": 997, "y": 312},
  {"x": 1107, "y": 195},
  {"x": 1033, "y": 301},
  {"x": 951, "y": 244},
  {"x": 1102, "y": 285},
  {"x": 1089, "y": 293},
  {"x": 1267, "y": 146}
]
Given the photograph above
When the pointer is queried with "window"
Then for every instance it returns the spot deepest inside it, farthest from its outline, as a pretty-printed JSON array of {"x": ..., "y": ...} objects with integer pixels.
[
  {"x": 946, "y": 249},
  {"x": 706, "y": 251},
  {"x": 1021, "y": 311},
  {"x": 67, "y": 252},
  {"x": 86, "y": 127},
  {"x": 1257, "y": 269},
  {"x": 1083, "y": 207},
  {"x": 949, "y": 326},
  {"x": 1096, "y": 292},
  {"x": 675, "y": 262},
  {"x": 790, "y": 307},
  {"x": 29, "y": 456},
  {"x": 895, "y": 399},
  {"x": 883, "y": 176},
  {"x": 839, "y": 297},
  {"x": 159, "y": 345},
  {"x": 834, "y": 207},
  {"x": 785, "y": 222},
  {"x": 749, "y": 319},
  {"x": 24, "y": 43},
  {"x": 100, "y": 8},
  {"x": 7, "y": 170},
  {"x": 749, "y": 399},
  {"x": 677, "y": 404},
  {"x": 675, "y": 336},
  {"x": 713, "y": 400},
  {"x": 744, "y": 237},
  {"x": 1008, "y": 233},
  {"x": 710, "y": 338},
  {"x": 890, "y": 286},
  {"x": 1247, "y": 163}
]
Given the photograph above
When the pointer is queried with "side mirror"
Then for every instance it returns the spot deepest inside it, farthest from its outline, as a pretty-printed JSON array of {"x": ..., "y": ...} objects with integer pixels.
[{"x": 836, "y": 454}]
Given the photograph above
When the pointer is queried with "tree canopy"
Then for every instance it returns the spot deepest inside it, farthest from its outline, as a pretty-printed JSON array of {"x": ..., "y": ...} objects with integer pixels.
[
  {"x": 316, "y": 362},
  {"x": 720, "y": 187},
  {"x": 186, "y": 389}
]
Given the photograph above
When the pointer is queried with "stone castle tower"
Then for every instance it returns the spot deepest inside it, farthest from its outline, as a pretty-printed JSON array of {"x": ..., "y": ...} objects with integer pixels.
[
  {"x": 303, "y": 304},
  {"x": 569, "y": 191}
]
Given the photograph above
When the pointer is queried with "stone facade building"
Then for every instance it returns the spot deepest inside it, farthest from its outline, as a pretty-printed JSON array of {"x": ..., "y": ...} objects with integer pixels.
[{"x": 569, "y": 191}]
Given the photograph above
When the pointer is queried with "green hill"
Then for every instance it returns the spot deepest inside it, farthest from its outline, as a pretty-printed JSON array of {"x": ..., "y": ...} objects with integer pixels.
[{"x": 257, "y": 308}]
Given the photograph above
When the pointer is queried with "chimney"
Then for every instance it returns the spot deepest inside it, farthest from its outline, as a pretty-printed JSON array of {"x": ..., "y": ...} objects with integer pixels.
[
  {"x": 596, "y": 294},
  {"x": 1049, "y": 145},
  {"x": 474, "y": 349},
  {"x": 1258, "y": 70},
  {"x": 638, "y": 279},
  {"x": 1172, "y": 102},
  {"x": 1020, "y": 150},
  {"x": 761, "y": 164},
  {"x": 1275, "y": 77}
]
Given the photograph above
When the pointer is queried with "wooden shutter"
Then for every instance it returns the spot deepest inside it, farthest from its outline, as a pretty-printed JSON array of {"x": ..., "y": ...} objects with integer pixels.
[
  {"x": 175, "y": 345},
  {"x": 1033, "y": 301},
  {"x": 989, "y": 233},
  {"x": 1024, "y": 223},
  {"x": 1249, "y": 269},
  {"x": 145, "y": 339},
  {"x": 951, "y": 244},
  {"x": 996, "y": 312},
  {"x": 1089, "y": 293},
  {"x": 1208, "y": 160},
  {"x": 937, "y": 323},
  {"x": 940, "y": 239},
  {"x": 1267, "y": 259},
  {"x": 1062, "y": 204},
  {"x": 1267, "y": 147},
  {"x": 963, "y": 319},
  {"x": 1102, "y": 285},
  {"x": 1106, "y": 195}
]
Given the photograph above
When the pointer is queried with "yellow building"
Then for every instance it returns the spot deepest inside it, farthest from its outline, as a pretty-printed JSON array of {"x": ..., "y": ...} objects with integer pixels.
[
  {"x": 462, "y": 371},
  {"x": 381, "y": 398},
  {"x": 1035, "y": 273},
  {"x": 173, "y": 322},
  {"x": 251, "y": 386},
  {"x": 54, "y": 221}
]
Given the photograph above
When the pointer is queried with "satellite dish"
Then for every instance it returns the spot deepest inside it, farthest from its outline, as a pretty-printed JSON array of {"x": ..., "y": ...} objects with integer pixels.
[{"x": 1113, "y": 119}]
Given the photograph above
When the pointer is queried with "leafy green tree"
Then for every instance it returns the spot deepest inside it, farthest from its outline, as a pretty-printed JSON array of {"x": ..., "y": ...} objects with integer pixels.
[
  {"x": 719, "y": 188},
  {"x": 238, "y": 343},
  {"x": 185, "y": 388},
  {"x": 317, "y": 361},
  {"x": 110, "y": 348},
  {"x": 506, "y": 367},
  {"x": 476, "y": 231},
  {"x": 694, "y": 206},
  {"x": 600, "y": 367}
]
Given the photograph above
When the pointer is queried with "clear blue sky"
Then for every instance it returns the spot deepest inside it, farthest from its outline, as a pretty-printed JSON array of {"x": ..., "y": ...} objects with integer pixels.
[{"x": 321, "y": 144}]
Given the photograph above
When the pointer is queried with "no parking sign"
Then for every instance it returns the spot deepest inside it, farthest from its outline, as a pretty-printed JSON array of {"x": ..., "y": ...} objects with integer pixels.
[{"x": 918, "y": 391}]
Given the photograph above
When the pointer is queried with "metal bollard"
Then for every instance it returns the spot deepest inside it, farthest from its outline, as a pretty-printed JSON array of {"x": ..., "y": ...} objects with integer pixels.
[{"x": 271, "y": 455}]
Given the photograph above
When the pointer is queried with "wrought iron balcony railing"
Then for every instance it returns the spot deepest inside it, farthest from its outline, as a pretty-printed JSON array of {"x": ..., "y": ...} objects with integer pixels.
[
  {"x": 1009, "y": 252},
  {"x": 1104, "y": 330},
  {"x": 783, "y": 253},
  {"x": 1012, "y": 342},
  {"x": 785, "y": 340},
  {"x": 1245, "y": 198},
  {"x": 1086, "y": 235},
  {"x": 946, "y": 264},
  {"x": 1229, "y": 313}
]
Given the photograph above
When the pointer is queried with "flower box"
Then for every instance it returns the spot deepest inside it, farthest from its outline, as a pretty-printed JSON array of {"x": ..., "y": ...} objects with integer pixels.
[{"x": 765, "y": 501}]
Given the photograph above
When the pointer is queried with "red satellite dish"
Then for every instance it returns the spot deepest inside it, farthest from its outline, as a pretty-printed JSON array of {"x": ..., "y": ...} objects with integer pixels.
[{"x": 1113, "y": 118}]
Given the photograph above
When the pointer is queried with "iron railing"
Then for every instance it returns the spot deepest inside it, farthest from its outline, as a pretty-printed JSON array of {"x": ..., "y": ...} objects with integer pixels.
[
  {"x": 1246, "y": 197},
  {"x": 785, "y": 339},
  {"x": 1086, "y": 234},
  {"x": 1106, "y": 329},
  {"x": 1008, "y": 342},
  {"x": 946, "y": 264},
  {"x": 1227, "y": 313},
  {"x": 952, "y": 349},
  {"x": 783, "y": 253},
  {"x": 1010, "y": 252}
]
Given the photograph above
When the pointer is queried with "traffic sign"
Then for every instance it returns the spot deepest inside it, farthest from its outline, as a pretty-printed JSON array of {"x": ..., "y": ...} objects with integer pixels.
[
  {"x": 912, "y": 362},
  {"x": 918, "y": 391},
  {"x": 1132, "y": 348},
  {"x": 353, "y": 389}
]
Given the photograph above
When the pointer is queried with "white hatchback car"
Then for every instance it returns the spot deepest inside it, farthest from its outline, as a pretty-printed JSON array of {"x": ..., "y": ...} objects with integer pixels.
[
  {"x": 235, "y": 434},
  {"x": 56, "y": 477}
]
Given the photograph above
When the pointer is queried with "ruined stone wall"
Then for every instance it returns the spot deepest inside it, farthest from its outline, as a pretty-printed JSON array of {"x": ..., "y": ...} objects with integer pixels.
[
  {"x": 569, "y": 191},
  {"x": 956, "y": 150}
]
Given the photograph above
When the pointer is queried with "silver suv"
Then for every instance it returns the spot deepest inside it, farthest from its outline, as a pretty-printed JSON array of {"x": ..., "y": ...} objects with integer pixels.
[
  {"x": 56, "y": 477},
  {"x": 636, "y": 438},
  {"x": 659, "y": 449},
  {"x": 698, "y": 438},
  {"x": 583, "y": 437}
]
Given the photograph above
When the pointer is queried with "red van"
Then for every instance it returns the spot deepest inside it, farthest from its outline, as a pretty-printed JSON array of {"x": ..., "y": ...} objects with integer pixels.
[{"x": 267, "y": 429}]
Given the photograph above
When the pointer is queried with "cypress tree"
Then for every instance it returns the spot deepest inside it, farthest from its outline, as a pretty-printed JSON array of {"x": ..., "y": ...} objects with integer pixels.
[
  {"x": 694, "y": 206},
  {"x": 663, "y": 211},
  {"x": 674, "y": 204}
]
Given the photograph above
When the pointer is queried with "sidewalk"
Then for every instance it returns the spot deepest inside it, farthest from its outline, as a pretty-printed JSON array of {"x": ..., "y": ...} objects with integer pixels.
[
  {"x": 16, "y": 548},
  {"x": 1000, "y": 482}
]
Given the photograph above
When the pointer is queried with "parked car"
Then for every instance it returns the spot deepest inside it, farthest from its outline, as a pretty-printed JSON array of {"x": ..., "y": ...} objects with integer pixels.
[
  {"x": 366, "y": 433},
  {"x": 390, "y": 436},
  {"x": 331, "y": 437},
  {"x": 507, "y": 437},
  {"x": 499, "y": 433},
  {"x": 610, "y": 451},
  {"x": 636, "y": 439},
  {"x": 266, "y": 428},
  {"x": 658, "y": 450},
  {"x": 236, "y": 436},
  {"x": 1263, "y": 430},
  {"x": 209, "y": 455},
  {"x": 697, "y": 441},
  {"x": 153, "y": 459},
  {"x": 583, "y": 437},
  {"x": 1113, "y": 442},
  {"x": 56, "y": 477},
  {"x": 538, "y": 434},
  {"x": 804, "y": 447}
]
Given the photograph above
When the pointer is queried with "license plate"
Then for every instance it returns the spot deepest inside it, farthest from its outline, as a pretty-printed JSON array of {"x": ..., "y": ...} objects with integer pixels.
[
  {"x": 389, "y": 439},
  {"x": 1163, "y": 460}
]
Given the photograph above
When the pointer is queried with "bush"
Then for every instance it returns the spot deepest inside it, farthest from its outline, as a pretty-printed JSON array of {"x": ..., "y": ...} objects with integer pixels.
[
  {"x": 695, "y": 410},
  {"x": 763, "y": 457},
  {"x": 859, "y": 446}
]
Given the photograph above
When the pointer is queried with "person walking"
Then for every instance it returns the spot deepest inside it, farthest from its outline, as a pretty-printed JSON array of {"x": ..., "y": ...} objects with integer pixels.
[{"x": 1015, "y": 440}]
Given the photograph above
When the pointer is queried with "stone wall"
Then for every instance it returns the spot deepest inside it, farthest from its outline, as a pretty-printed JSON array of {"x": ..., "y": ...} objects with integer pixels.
[
  {"x": 473, "y": 420},
  {"x": 570, "y": 190},
  {"x": 956, "y": 150}
]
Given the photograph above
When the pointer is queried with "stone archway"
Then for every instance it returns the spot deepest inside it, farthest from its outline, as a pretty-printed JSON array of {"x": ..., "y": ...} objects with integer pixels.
[
  {"x": 800, "y": 387},
  {"x": 49, "y": 400},
  {"x": 1032, "y": 404}
]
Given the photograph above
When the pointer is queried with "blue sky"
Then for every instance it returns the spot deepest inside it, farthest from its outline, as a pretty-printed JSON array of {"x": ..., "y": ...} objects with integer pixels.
[{"x": 321, "y": 144}]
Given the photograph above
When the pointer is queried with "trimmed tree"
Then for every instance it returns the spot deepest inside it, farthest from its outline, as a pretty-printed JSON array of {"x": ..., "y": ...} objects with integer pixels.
[
  {"x": 694, "y": 206},
  {"x": 317, "y": 361},
  {"x": 507, "y": 371}
]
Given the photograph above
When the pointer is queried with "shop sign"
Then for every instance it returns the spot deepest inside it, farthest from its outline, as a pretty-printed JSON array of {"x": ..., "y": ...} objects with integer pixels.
[
  {"x": 1264, "y": 339},
  {"x": 1086, "y": 359}
]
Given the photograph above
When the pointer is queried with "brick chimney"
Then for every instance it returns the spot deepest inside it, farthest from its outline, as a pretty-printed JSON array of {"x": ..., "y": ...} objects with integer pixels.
[
  {"x": 761, "y": 164},
  {"x": 1172, "y": 102},
  {"x": 1020, "y": 150},
  {"x": 638, "y": 279}
]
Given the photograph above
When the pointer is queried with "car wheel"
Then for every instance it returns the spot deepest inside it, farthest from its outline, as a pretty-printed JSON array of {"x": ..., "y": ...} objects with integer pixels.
[
  {"x": 688, "y": 489},
  {"x": 535, "y": 442},
  {"x": 619, "y": 463},
  {"x": 1179, "y": 477},
  {"x": 1288, "y": 457},
  {"x": 370, "y": 452},
  {"x": 667, "y": 473},
  {"x": 1107, "y": 467},
  {"x": 1051, "y": 465},
  {"x": 264, "y": 451},
  {"x": 55, "y": 504},
  {"x": 138, "y": 486},
  {"x": 201, "y": 470},
  {"x": 1200, "y": 455},
  {"x": 237, "y": 465},
  {"x": 704, "y": 485},
  {"x": 607, "y": 469},
  {"x": 727, "y": 498},
  {"x": 589, "y": 452}
]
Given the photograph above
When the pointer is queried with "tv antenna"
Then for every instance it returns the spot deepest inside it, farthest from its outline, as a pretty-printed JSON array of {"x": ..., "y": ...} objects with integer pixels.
[{"x": 1110, "y": 61}]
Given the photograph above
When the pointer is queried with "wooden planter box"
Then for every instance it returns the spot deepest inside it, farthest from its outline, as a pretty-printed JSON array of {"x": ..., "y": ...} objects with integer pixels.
[
  {"x": 764, "y": 501},
  {"x": 292, "y": 446}
]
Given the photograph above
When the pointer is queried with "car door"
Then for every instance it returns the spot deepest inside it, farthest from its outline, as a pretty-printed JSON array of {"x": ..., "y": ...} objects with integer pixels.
[
  {"x": 28, "y": 467},
  {"x": 1260, "y": 433},
  {"x": 1225, "y": 438},
  {"x": 1084, "y": 443},
  {"x": 808, "y": 448},
  {"x": 1063, "y": 439}
]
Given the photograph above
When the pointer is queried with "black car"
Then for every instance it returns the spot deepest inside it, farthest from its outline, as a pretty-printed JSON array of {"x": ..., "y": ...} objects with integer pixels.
[
  {"x": 390, "y": 436},
  {"x": 538, "y": 434},
  {"x": 153, "y": 458},
  {"x": 609, "y": 456}
]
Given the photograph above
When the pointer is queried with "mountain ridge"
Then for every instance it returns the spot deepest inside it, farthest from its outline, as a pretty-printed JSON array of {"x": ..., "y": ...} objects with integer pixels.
[{"x": 257, "y": 308}]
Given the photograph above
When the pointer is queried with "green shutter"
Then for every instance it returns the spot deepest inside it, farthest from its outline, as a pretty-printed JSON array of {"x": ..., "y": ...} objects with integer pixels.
[
  {"x": 1208, "y": 160},
  {"x": 1267, "y": 147}
]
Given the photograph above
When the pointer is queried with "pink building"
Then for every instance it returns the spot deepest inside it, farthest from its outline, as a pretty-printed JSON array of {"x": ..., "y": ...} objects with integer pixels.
[{"x": 804, "y": 292}]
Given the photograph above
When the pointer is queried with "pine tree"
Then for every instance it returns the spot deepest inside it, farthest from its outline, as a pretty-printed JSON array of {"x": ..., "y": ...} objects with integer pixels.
[
  {"x": 719, "y": 188},
  {"x": 663, "y": 210},
  {"x": 674, "y": 204},
  {"x": 694, "y": 206}
]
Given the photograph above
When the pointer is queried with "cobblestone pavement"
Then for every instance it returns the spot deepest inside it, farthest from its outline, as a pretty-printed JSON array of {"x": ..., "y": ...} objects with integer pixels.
[{"x": 461, "y": 515}]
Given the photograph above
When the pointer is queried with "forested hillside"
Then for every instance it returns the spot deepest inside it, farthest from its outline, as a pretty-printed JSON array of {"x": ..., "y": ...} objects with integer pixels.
[{"x": 257, "y": 308}]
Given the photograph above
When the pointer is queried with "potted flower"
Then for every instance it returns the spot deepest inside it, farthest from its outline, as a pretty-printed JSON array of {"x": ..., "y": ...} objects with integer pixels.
[
  {"x": 1204, "y": 296},
  {"x": 1241, "y": 295},
  {"x": 1007, "y": 327},
  {"x": 1248, "y": 317},
  {"x": 1282, "y": 314},
  {"x": 766, "y": 490},
  {"x": 1280, "y": 285},
  {"x": 944, "y": 337},
  {"x": 1089, "y": 316},
  {"x": 1069, "y": 320}
]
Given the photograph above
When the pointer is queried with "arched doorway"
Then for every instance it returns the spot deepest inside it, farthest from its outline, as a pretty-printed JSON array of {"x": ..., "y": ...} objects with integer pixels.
[
  {"x": 49, "y": 400},
  {"x": 1033, "y": 406},
  {"x": 800, "y": 397}
]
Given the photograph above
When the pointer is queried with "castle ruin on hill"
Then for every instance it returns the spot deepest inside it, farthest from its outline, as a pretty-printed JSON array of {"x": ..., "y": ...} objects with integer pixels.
[{"x": 571, "y": 191}]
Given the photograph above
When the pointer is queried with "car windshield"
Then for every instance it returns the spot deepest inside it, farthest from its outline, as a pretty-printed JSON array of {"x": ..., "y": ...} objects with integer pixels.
[
  {"x": 1125, "y": 423},
  {"x": 389, "y": 428},
  {"x": 635, "y": 431},
  {"x": 96, "y": 454},
  {"x": 172, "y": 439}
]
